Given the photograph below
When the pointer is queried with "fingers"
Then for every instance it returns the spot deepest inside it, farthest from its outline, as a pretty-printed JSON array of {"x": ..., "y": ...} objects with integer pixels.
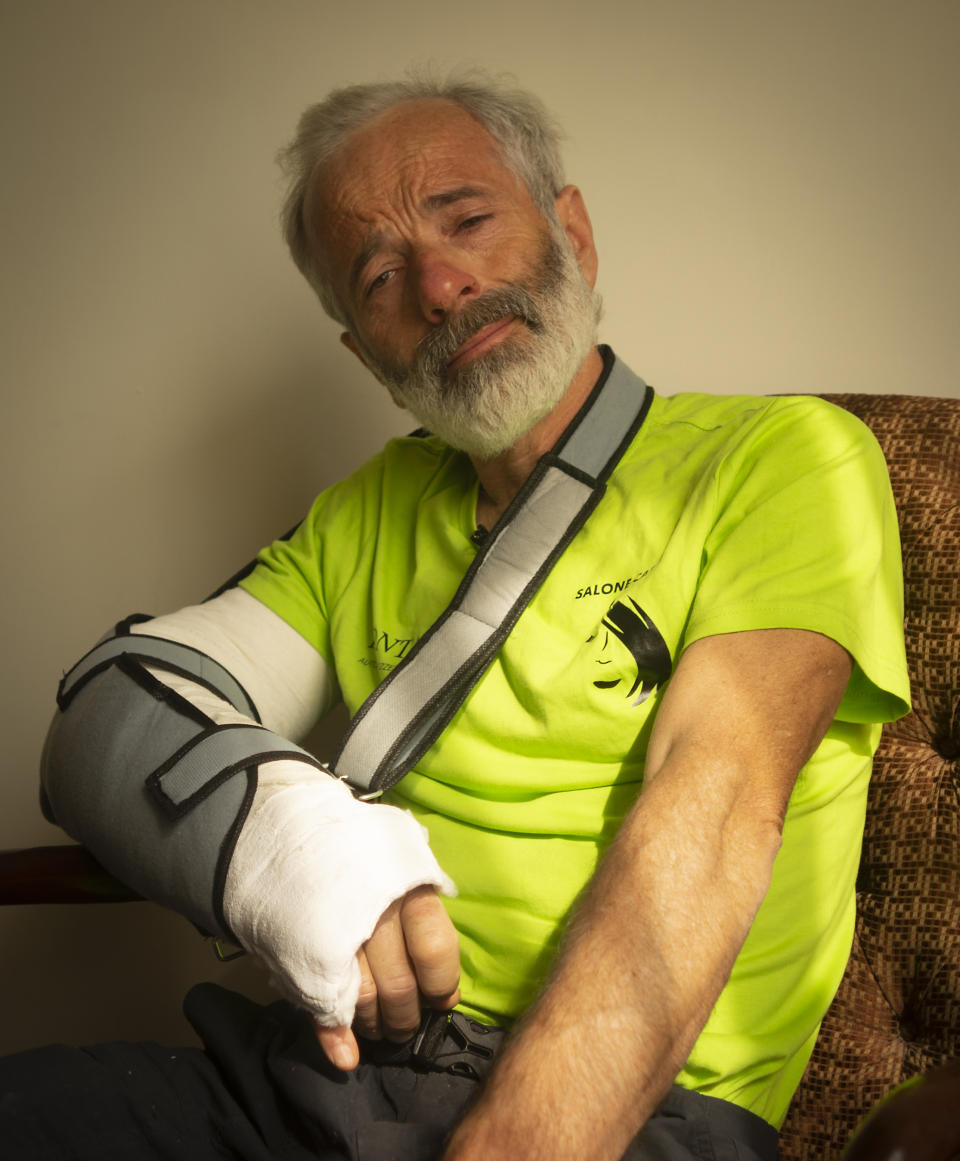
[
  {"x": 391, "y": 1007},
  {"x": 339, "y": 1046},
  {"x": 412, "y": 956},
  {"x": 432, "y": 947},
  {"x": 367, "y": 1018}
]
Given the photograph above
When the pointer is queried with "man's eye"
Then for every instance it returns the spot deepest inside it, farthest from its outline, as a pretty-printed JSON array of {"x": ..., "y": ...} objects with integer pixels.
[
  {"x": 472, "y": 223},
  {"x": 380, "y": 280}
]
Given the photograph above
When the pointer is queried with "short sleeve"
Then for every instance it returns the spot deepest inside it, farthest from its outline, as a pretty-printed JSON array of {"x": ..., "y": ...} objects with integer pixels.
[
  {"x": 805, "y": 536},
  {"x": 286, "y": 578}
]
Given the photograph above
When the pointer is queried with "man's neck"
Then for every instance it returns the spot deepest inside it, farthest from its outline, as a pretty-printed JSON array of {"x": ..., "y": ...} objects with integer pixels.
[{"x": 504, "y": 475}]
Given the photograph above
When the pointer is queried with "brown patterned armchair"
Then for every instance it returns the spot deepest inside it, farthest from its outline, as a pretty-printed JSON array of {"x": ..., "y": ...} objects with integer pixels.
[{"x": 897, "y": 1013}]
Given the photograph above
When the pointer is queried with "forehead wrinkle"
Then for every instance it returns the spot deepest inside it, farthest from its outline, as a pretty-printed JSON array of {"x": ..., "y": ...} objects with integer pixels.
[{"x": 440, "y": 201}]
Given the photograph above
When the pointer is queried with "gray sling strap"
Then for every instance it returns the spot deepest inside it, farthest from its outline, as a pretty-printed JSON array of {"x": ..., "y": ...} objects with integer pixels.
[{"x": 408, "y": 711}]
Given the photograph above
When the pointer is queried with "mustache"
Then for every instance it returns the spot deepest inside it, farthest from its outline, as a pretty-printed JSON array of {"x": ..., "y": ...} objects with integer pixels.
[{"x": 436, "y": 349}]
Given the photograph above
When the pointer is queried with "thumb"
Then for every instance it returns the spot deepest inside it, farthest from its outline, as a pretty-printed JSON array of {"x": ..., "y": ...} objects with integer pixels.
[{"x": 339, "y": 1046}]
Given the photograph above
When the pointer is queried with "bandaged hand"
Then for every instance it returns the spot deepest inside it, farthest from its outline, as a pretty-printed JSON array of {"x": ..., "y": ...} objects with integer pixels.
[
  {"x": 315, "y": 881},
  {"x": 337, "y": 898}
]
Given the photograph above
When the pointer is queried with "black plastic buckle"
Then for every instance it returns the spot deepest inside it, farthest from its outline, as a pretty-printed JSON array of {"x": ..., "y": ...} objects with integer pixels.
[
  {"x": 430, "y": 1036},
  {"x": 449, "y": 1042},
  {"x": 466, "y": 1044}
]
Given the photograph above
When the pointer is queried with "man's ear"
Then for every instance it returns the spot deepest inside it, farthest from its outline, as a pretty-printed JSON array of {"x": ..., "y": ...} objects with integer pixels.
[
  {"x": 350, "y": 343},
  {"x": 573, "y": 216}
]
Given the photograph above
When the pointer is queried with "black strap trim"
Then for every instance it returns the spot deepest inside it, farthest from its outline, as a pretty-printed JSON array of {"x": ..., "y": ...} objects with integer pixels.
[
  {"x": 140, "y": 650},
  {"x": 133, "y": 668},
  {"x": 227, "y": 848},
  {"x": 609, "y": 361}
]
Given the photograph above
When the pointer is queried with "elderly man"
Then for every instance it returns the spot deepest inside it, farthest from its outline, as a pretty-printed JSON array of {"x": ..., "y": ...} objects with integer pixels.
[{"x": 632, "y": 835}]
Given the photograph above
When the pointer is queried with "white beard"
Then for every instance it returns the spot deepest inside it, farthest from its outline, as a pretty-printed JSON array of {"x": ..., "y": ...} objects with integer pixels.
[{"x": 486, "y": 406}]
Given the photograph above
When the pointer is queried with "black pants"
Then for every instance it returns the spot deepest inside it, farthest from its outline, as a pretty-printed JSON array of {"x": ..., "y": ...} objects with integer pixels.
[{"x": 263, "y": 1091}]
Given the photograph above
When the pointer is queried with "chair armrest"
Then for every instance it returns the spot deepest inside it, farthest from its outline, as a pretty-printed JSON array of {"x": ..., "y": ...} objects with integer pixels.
[
  {"x": 60, "y": 874},
  {"x": 918, "y": 1121}
]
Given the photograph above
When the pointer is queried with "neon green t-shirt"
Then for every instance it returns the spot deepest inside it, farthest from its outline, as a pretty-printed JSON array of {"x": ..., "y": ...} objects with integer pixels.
[{"x": 724, "y": 514}]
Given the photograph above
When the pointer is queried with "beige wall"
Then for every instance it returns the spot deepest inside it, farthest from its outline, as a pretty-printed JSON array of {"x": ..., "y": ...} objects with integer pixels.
[{"x": 774, "y": 188}]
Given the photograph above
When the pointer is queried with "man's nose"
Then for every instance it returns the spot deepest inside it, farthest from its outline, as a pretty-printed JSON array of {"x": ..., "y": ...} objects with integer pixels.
[{"x": 444, "y": 284}]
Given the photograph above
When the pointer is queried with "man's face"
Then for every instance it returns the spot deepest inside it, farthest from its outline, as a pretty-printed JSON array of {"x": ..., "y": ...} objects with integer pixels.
[{"x": 461, "y": 297}]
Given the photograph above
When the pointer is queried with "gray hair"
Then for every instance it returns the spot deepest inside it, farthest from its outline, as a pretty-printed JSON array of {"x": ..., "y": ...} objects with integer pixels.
[{"x": 527, "y": 134}]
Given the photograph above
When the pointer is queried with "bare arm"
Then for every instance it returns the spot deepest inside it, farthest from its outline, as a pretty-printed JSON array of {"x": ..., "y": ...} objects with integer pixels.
[{"x": 667, "y": 912}]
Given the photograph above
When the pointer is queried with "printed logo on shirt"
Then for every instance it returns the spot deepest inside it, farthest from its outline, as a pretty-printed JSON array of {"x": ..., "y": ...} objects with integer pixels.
[
  {"x": 606, "y": 588},
  {"x": 394, "y": 647},
  {"x": 630, "y": 652},
  {"x": 388, "y": 650}
]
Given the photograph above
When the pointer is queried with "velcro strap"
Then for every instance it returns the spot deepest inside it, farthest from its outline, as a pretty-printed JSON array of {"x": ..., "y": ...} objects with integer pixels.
[
  {"x": 181, "y": 659},
  {"x": 200, "y": 766}
]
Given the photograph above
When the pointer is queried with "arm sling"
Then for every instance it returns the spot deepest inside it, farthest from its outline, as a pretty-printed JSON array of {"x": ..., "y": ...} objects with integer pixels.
[{"x": 150, "y": 783}]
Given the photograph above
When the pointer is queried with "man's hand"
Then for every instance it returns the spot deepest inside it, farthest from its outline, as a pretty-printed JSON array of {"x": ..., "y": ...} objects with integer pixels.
[{"x": 412, "y": 958}]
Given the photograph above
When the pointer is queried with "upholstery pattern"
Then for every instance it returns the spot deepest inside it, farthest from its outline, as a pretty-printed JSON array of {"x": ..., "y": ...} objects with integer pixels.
[{"x": 897, "y": 1012}]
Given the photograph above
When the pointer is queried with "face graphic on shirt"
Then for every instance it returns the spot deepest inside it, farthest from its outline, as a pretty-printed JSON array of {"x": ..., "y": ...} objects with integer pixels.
[{"x": 630, "y": 652}]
